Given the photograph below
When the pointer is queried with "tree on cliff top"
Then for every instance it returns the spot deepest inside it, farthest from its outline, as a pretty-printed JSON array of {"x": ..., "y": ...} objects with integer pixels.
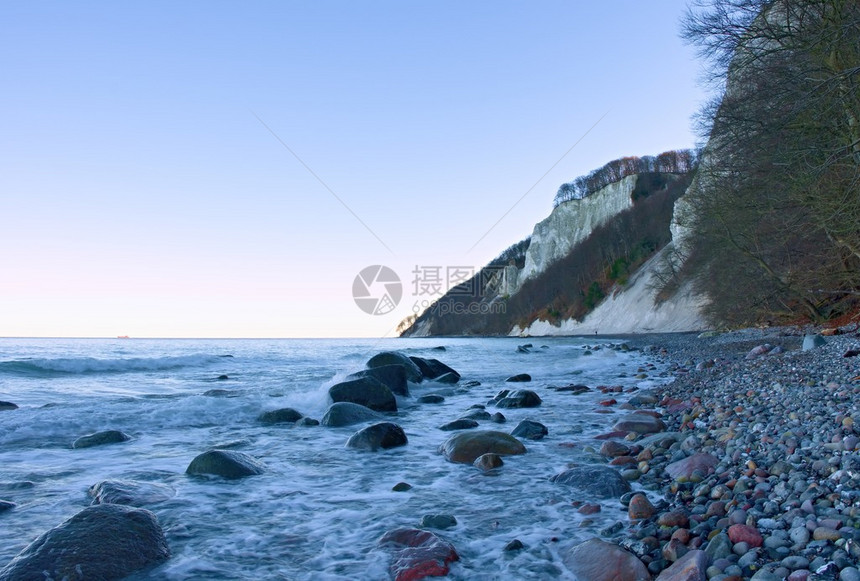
[{"x": 777, "y": 200}]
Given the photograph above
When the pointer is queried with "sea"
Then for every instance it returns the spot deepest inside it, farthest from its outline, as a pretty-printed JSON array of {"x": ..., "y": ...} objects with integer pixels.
[{"x": 320, "y": 508}]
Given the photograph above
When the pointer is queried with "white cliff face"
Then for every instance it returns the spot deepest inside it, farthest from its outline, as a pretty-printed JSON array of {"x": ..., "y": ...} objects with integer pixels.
[
  {"x": 571, "y": 222},
  {"x": 633, "y": 309}
]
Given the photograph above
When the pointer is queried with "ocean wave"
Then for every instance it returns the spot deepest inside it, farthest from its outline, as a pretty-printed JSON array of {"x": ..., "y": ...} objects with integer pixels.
[{"x": 81, "y": 365}]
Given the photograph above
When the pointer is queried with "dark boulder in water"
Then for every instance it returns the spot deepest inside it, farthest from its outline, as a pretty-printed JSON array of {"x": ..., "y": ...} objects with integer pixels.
[
  {"x": 365, "y": 391},
  {"x": 225, "y": 463},
  {"x": 6, "y": 505},
  {"x": 104, "y": 541},
  {"x": 346, "y": 413},
  {"x": 130, "y": 492},
  {"x": 393, "y": 376},
  {"x": 519, "y": 378},
  {"x": 448, "y": 378},
  {"x": 530, "y": 430},
  {"x": 281, "y": 416},
  {"x": 416, "y": 554},
  {"x": 521, "y": 398},
  {"x": 434, "y": 369},
  {"x": 101, "y": 438},
  {"x": 488, "y": 462},
  {"x": 431, "y": 398},
  {"x": 383, "y": 435},
  {"x": 7, "y": 405},
  {"x": 222, "y": 378},
  {"x": 460, "y": 424},
  {"x": 438, "y": 521},
  {"x": 413, "y": 373},
  {"x": 476, "y": 414},
  {"x": 465, "y": 447},
  {"x": 307, "y": 422},
  {"x": 597, "y": 481}
]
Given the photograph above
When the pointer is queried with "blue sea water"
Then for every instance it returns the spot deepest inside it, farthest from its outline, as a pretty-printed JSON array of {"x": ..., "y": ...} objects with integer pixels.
[{"x": 320, "y": 508}]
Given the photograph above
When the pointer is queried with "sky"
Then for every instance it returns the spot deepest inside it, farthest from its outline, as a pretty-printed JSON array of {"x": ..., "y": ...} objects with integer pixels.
[{"x": 226, "y": 169}]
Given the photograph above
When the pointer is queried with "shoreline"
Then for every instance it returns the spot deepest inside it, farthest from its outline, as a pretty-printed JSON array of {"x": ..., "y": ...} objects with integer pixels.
[{"x": 764, "y": 448}]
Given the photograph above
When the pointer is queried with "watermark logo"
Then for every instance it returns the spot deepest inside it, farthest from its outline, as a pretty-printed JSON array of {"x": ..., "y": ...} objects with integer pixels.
[{"x": 377, "y": 290}]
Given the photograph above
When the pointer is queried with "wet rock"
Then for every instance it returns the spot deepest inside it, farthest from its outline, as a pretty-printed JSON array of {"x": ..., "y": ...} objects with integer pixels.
[
  {"x": 348, "y": 413},
  {"x": 520, "y": 398},
  {"x": 612, "y": 449},
  {"x": 225, "y": 463},
  {"x": 438, "y": 521},
  {"x": 365, "y": 391},
  {"x": 281, "y": 416},
  {"x": 530, "y": 430},
  {"x": 392, "y": 376},
  {"x": 673, "y": 518},
  {"x": 431, "y": 398},
  {"x": 519, "y": 378},
  {"x": 597, "y": 560},
  {"x": 413, "y": 373},
  {"x": 448, "y": 378},
  {"x": 105, "y": 542},
  {"x": 685, "y": 469},
  {"x": 383, "y": 435},
  {"x": 740, "y": 533},
  {"x": 401, "y": 487},
  {"x": 307, "y": 422},
  {"x": 101, "y": 438},
  {"x": 514, "y": 545},
  {"x": 460, "y": 424},
  {"x": 465, "y": 447},
  {"x": 435, "y": 369},
  {"x": 6, "y": 505},
  {"x": 498, "y": 418},
  {"x": 691, "y": 567},
  {"x": 416, "y": 554},
  {"x": 640, "y": 507},
  {"x": 597, "y": 481},
  {"x": 130, "y": 492},
  {"x": 7, "y": 405},
  {"x": 476, "y": 414},
  {"x": 639, "y": 423},
  {"x": 487, "y": 462}
]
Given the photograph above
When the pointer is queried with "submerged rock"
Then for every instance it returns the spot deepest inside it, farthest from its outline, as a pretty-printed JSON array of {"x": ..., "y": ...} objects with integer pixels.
[
  {"x": 530, "y": 430},
  {"x": 6, "y": 505},
  {"x": 438, "y": 521},
  {"x": 101, "y": 438},
  {"x": 7, "y": 405},
  {"x": 383, "y": 435},
  {"x": 519, "y": 378},
  {"x": 105, "y": 542},
  {"x": 392, "y": 376},
  {"x": 413, "y": 373},
  {"x": 416, "y": 554},
  {"x": 598, "y": 481},
  {"x": 366, "y": 391},
  {"x": 225, "y": 463},
  {"x": 597, "y": 560},
  {"x": 460, "y": 424},
  {"x": 448, "y": 378},
  {"x": 281, "y": 416},
  {"x": 465, "y": 447},
  {"x": 130, "y": 492},
  {"x": 307, "y": 422},
  {"x": 346, "y": 413},
  {"x": 431, "y": 398}
]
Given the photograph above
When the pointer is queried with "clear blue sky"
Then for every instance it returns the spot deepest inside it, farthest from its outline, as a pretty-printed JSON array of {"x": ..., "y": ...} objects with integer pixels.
[{"x": 141, "y": 195}]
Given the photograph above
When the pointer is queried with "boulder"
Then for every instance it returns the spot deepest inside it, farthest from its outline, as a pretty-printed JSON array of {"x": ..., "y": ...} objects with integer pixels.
[
  {"x": 393, "y": 376},
  {"x": 460, "y": 424},
  {"x": 596, "y": 481},
  {"x": 281, "y": 416},
  {"x": 416, "y": 554},
  {"x": 597, "y": 560},
  {"x": 130, "y": 492},
  {"x": 101, "y": 438},
  {"x": 431, "y": 398},
  {"x": 741, "y": 533},
  {"x": 613, "y": 449},
  {"x": 640, "y": 507},
  {"x": 413, "y": 373},
  {"x": 683, "y": 470},
  {"x": 639, "y": 423},
  {"x": 519, "y": 378},
  {"x": 104, "y": 541},
  {"x": 346, "y": 413},
  {"x": 690, "y": 567},
  {"x": 488, "y": 462},
  {"x": 438, "y": 521},
  {"x": 465, "y": 447},
  {"x": 434, "y": 369},
  {"x": 383, "y": 435},
  {"x": 812, "y": 341},
  {"x": 448, "y": 378},
  {"x": 520, "y": 398},
  {"x": 530, "y": 430},
  {"x": 366, "y": 391},
  {"x": 7, "y": 405},
  {"x": 308, "y": 422},
  {"x": 225, "y": 463},
  {"x": 476, "y": 414}
]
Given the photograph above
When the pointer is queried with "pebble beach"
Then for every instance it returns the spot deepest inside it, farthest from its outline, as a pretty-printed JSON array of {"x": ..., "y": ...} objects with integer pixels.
[{"x": 757, "y": 472}]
